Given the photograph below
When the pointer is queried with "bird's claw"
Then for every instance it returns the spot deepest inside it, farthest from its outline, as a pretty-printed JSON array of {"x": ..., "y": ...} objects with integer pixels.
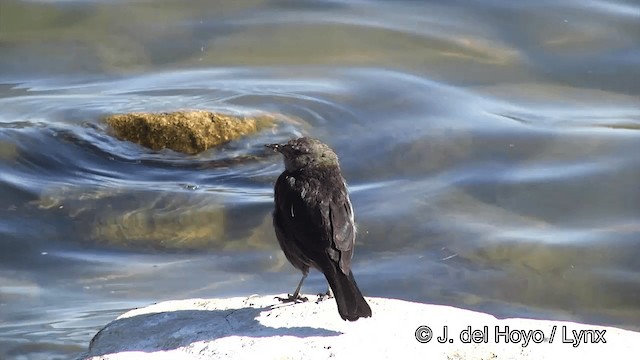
[
  {"x": 324, "y": 296},
  {"x": 292, "y": 298}
]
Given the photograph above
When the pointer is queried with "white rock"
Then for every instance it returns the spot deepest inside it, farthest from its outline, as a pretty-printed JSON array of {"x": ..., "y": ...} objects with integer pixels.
[{"x": 262, "y": 328}]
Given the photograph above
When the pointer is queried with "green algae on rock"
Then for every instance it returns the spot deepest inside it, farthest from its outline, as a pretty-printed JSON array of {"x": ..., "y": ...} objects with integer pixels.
[{"x": 189, "y": 132}]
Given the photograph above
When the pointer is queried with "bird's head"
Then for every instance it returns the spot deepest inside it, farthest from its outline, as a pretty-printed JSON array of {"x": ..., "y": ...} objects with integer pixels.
[{"x": 305, "y": 152}]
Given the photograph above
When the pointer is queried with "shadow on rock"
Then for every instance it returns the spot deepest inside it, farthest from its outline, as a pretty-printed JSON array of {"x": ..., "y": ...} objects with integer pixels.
[{"x": 170, "y": 330}]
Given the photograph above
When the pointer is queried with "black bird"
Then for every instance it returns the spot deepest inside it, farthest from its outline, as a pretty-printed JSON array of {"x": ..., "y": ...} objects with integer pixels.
[{"x": 313, "y": 221}]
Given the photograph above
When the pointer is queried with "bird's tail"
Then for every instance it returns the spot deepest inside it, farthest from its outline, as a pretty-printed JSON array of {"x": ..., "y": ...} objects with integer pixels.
[{"x": 351, "y": 303}]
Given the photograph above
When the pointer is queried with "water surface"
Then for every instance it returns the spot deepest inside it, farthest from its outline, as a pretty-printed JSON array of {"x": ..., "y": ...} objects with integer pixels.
[{"x": 490, "y": 147}]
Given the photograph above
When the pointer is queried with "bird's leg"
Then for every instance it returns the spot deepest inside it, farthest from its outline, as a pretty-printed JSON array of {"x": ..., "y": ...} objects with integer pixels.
[
  {"x": 296, "y": 294},
  {"x": 325, "y": 296}
]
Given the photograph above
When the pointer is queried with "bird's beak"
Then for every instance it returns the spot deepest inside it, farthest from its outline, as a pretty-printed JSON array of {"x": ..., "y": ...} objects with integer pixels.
[{"x": 274, "y": 147}]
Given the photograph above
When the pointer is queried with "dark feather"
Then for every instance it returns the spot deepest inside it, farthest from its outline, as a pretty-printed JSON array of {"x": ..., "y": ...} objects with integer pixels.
[{"x": 314, "y": 225}]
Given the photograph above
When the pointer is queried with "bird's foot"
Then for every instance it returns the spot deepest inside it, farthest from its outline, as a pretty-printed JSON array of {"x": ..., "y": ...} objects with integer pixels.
[
  {"x": 324, "y": 296},
  {"x": 296, "y": 298}
]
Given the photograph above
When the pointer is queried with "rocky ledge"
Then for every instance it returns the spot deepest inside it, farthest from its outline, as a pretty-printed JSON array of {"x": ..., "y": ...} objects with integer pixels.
[{"x": 259, "y": 327}]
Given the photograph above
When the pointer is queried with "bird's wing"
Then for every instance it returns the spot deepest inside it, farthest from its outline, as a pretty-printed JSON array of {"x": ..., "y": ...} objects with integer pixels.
[
  {"x": 318, "y": 227},
  {"x": 342, "y": 228}
]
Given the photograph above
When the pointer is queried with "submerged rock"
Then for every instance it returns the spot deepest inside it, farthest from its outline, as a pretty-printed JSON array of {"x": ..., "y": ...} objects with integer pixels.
[
  {"x": 151, "y": 219},
  {"x": 8, "y": 151},
  {"x": 188, "y": 132},
  {"x": 167, "y": 222},
  {"x": 155, "y": 219},
  {"x": 260, "y": 327}
]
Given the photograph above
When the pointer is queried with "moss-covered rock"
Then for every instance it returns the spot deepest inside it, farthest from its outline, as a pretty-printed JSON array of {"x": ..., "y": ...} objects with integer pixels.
[{"x": 188, "y": 132}]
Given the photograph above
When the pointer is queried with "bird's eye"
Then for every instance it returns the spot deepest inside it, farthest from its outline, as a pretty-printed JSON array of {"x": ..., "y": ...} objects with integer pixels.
[{"x": 298, "y": 150}]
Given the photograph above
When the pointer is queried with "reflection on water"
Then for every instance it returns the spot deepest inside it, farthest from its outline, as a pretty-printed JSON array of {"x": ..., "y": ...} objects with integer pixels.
[{"x": 490, "y": 149}]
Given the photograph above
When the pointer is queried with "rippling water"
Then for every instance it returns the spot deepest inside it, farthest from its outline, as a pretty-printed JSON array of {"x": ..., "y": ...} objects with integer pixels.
[{"x": 490, "y": 147}]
